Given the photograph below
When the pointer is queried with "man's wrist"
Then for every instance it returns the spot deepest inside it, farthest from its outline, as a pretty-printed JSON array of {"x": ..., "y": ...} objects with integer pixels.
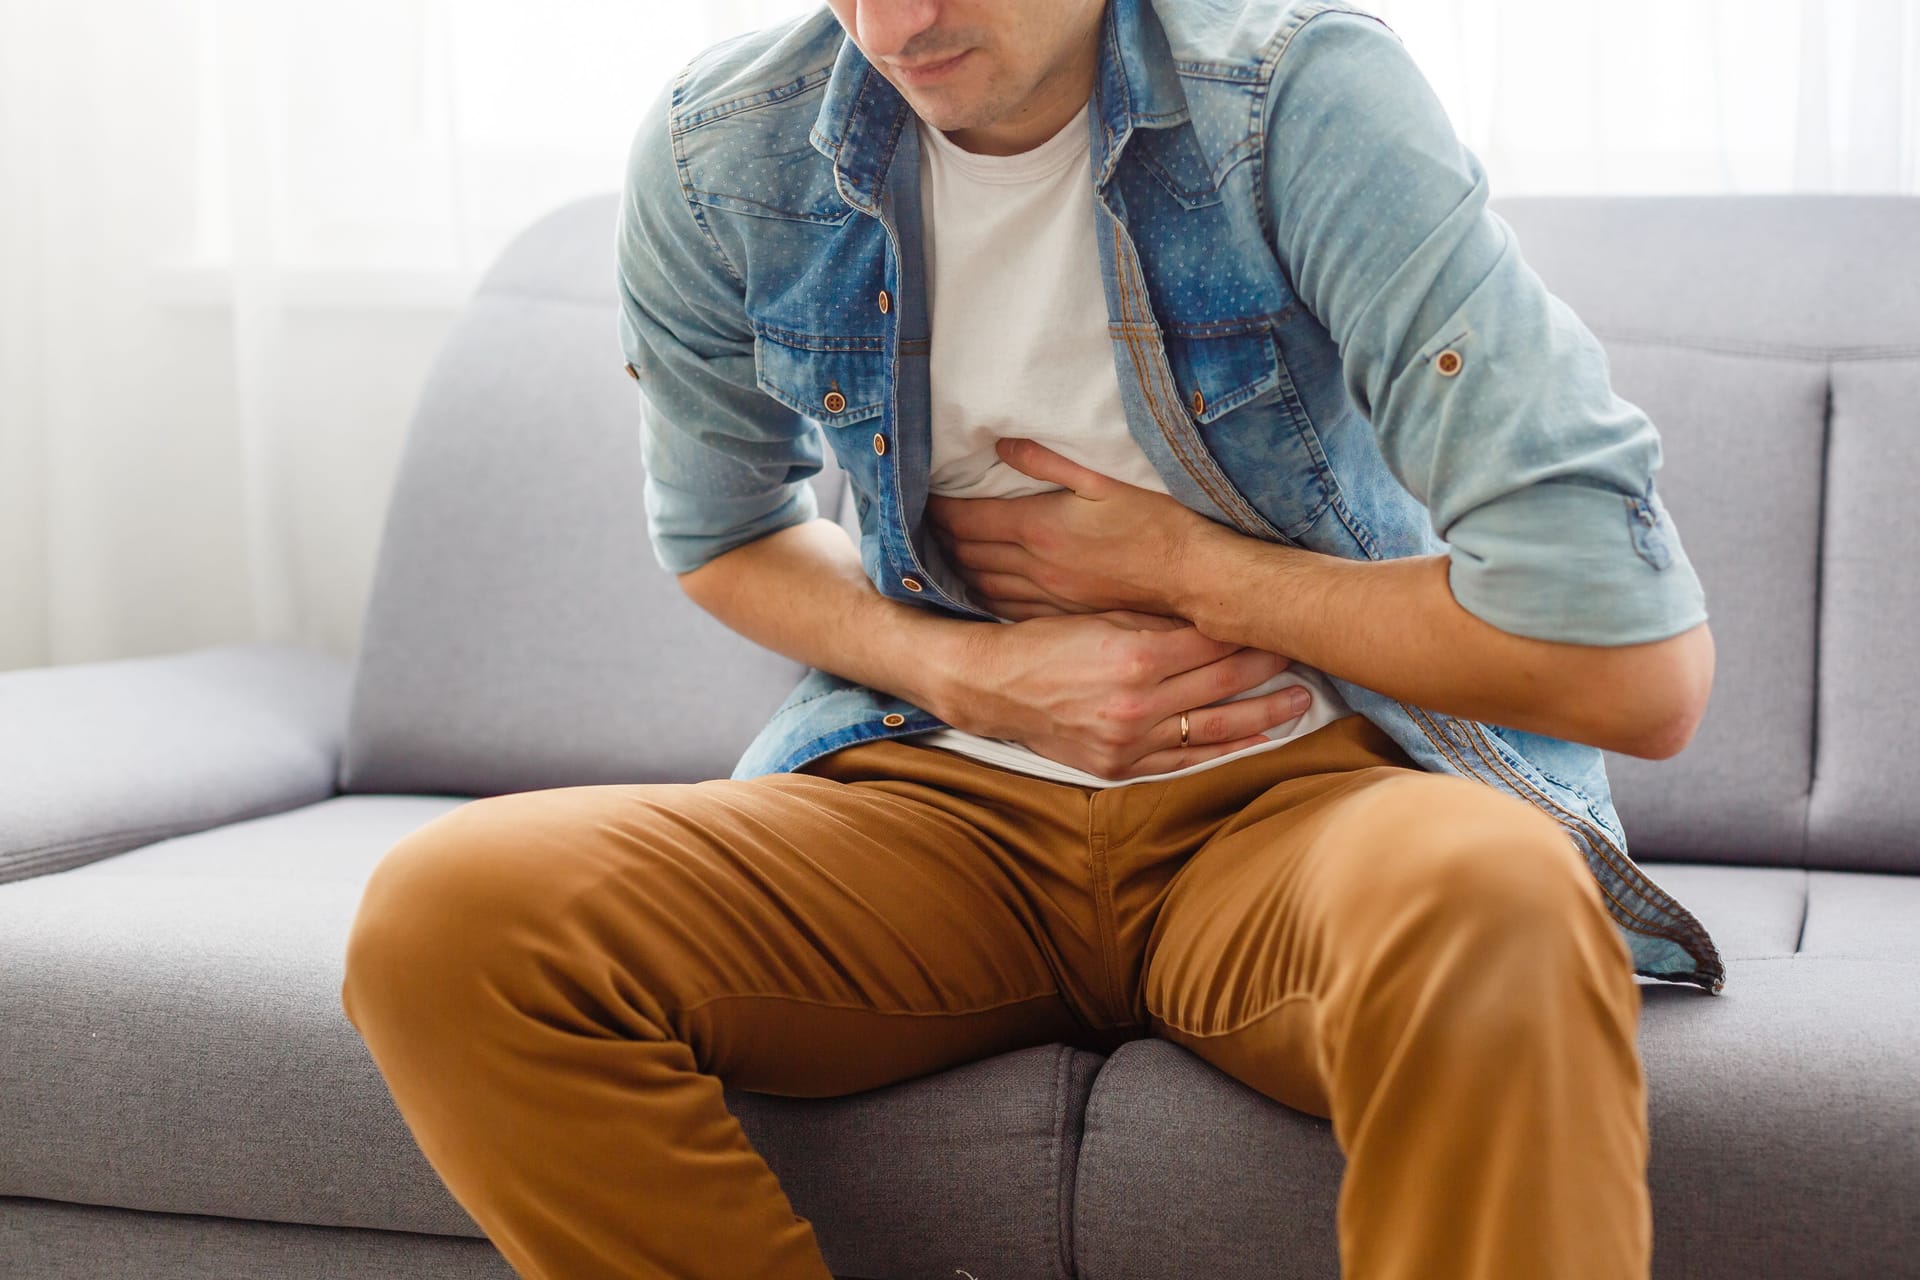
[
  {"x": 946, "y": 654},
  {"x": 1206, "y": 565}
]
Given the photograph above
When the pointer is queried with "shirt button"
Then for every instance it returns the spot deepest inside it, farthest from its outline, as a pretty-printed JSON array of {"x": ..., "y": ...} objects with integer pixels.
[
  {"x": 886, "y": 303},
  {"x": 1199, "y": 403},
  {"x": 1447, "y": 362},
  {"x": 879, "y": 443},
  {"x": 834, "y": 402},
  {"x": 633, "y": 372},
  {"x": 911, "y": 584},
  {"x": 893, "y": 719}
]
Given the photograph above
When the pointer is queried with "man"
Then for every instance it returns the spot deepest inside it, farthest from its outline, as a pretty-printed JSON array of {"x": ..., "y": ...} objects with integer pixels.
[{"x": 1162, "y": 345}]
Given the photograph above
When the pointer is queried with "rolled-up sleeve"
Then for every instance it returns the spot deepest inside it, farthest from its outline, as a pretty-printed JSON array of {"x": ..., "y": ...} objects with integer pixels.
[
  {"x": 1538, "y": 476},
  {"x": 725, "y": 462}
]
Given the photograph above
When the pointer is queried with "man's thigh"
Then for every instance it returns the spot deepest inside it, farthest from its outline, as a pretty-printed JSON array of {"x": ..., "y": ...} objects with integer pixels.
[
  {"x": 1335, "y": 894},
  {"x": 800, "y": 934}
]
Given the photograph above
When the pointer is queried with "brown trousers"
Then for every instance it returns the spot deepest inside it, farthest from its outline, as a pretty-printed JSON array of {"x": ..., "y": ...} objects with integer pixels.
[{"x": 555, "y": 983}]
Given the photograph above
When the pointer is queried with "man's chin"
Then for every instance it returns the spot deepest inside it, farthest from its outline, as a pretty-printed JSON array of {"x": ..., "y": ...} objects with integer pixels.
[
  {"x": 951, "y": 109},
  {"x": 942, "y": 113}
]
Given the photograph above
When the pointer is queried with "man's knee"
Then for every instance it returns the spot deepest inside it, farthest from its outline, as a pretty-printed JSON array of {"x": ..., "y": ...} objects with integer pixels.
[
  {"x": 1459, "y": 860},
  {"x": 452, "y": 900}
]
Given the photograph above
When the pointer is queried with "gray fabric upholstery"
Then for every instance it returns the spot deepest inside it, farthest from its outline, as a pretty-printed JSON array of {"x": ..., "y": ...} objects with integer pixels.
[
  {"x": 969, "y": 1169},
  {"x": 1863, "y": 799},
  {"x": 174, "y": 1034},
  {"x": 1785, "y": 1123},
  {"x": 174, "y": 1042},
  {"x": 1754, "y": 913},
  {"x": 91, "y": 1242},
  {"x": 99, "y": 757},
  {"x": 1863, "y": 917},
  {"x": 520, "y": 634}
]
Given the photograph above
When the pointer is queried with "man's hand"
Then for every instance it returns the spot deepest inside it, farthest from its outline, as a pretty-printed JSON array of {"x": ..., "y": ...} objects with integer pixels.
[
  {"x": 1104, "y": 691},
  {"x": 1099, "y": 543}
]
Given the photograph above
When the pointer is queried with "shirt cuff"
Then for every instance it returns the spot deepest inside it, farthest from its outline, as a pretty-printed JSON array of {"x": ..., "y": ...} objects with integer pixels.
[
  {"x": 687, "y": 530},
  {"x": 1572, "y": 563}
]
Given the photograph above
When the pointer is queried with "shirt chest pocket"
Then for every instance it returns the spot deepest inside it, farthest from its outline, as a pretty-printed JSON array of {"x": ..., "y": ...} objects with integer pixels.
[
  {"x": 1217, "y": 369},
  {"x": 836, "y": 381}
]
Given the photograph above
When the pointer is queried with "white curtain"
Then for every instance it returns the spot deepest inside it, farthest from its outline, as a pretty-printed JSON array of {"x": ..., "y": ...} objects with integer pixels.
[{"x": 232, "y": 233}]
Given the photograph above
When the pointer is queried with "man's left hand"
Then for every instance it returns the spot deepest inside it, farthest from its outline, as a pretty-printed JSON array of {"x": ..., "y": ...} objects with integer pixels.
[{"x": 1099, "y": 543}]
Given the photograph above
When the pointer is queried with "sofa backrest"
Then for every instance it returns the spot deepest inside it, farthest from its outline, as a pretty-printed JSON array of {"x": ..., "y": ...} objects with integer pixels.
[
  {"x": 521, "y": 635},
  {"x": 1775, "y": 341}
]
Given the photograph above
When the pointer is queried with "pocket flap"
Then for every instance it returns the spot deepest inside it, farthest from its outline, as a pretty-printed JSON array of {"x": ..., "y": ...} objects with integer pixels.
[
  {"x": 836, "y": 381},
  {"x": 1217, "y": 372}
]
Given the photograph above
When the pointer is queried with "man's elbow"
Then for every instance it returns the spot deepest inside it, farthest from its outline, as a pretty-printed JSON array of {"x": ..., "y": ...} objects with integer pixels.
[{"x": 1676, "y": 676}]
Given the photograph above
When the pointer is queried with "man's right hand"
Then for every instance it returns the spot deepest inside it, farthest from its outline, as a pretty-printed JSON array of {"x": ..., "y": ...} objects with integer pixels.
[{"x": 1104, "y": 691}]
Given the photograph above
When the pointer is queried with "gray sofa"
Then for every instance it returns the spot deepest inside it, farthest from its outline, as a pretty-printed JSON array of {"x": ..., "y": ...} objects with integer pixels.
[{"x": 183, "y": 838}]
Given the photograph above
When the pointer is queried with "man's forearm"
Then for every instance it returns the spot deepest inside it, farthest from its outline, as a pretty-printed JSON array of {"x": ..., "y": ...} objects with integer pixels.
[
  {"x": 1394, "y": 626},
  {"x": 801, "y": 592}
]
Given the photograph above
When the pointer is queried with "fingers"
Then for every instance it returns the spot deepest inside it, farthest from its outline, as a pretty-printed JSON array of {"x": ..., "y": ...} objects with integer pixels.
[
  {"x": 1181, "y": 757},
  {"x": 1223, "y": 678},
  {"x": 1012, "y": 589},
  {"x": 1139, "y": 621},
  {"x": 1021, "y": 610},
  {"x": 1189, "y": 648},
  {"x": 993, "y": 557},
  {"x": 1218, "y": 732},
  {"x": 975, "y": 520},
  {"x": 1234, "y": 721},
  {"x": 1221, "y": 730}
]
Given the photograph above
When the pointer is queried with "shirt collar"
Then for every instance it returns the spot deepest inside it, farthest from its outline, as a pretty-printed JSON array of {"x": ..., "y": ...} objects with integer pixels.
[{"x": 1135, "y": 87}]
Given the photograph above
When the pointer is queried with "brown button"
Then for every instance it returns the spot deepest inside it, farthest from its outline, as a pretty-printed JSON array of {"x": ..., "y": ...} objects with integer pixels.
[
  {"x": 834, "y": 402},
  {"x": 893, "y": 718},
  {"x": 910, "y": 584},
  {"x": 1199, "y": 402},
  {"x": 1447, "y": 362},
  {"x": 633, "y": 372},
  {"x": 879, "y": 443},
  {"x": 886, "y": 303}
]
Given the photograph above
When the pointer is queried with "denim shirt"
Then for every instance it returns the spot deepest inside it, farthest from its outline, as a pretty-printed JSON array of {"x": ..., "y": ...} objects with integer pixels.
[{"x": 1324, "y": 339}]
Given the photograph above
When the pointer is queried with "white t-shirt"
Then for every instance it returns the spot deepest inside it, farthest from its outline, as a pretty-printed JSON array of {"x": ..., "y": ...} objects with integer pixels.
[{"x": 1020, "y": 348}]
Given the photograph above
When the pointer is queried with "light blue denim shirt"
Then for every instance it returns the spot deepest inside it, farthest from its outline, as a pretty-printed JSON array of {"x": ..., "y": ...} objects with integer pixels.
[{"x": 1324, "y": 337}]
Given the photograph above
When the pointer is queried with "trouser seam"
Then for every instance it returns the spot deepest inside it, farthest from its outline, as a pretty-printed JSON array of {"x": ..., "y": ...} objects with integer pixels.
[
  {"x": 1241, "y": 1025},
  {"x": 1105, "y": 924}
]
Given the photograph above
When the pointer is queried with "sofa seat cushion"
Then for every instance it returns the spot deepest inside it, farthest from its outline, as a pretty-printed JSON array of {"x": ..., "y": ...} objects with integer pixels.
[
  {"x": 1784, "y": 1112},
  {"x": 171, "y": 1039}
]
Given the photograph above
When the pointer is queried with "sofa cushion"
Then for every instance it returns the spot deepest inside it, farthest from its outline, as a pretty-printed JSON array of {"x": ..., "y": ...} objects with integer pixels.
[
  {"x": 1754, "y": 913},
  {"x": 171, "y": 1039},
  {"x": 1863, "y": 797},
  {"x": 172, "y": 1034},
  {"x": 1784, "y": 1114},
  {"x": 1863, "y": 917},
  {"x": 520, "y": 633},
  {"x": 88, "y": 1242}
]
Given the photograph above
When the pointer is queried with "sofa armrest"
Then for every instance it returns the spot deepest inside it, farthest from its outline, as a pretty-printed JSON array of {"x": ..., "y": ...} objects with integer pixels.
[{"x": 97, "y": 758}]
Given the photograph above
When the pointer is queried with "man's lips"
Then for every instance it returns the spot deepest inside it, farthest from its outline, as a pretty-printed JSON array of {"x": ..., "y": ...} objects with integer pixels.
[{"x": 928, "y": 72}]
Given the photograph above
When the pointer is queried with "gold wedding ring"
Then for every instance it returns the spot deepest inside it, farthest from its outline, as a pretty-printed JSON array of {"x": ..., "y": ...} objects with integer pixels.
[{"x": 1183, "y": 728}]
